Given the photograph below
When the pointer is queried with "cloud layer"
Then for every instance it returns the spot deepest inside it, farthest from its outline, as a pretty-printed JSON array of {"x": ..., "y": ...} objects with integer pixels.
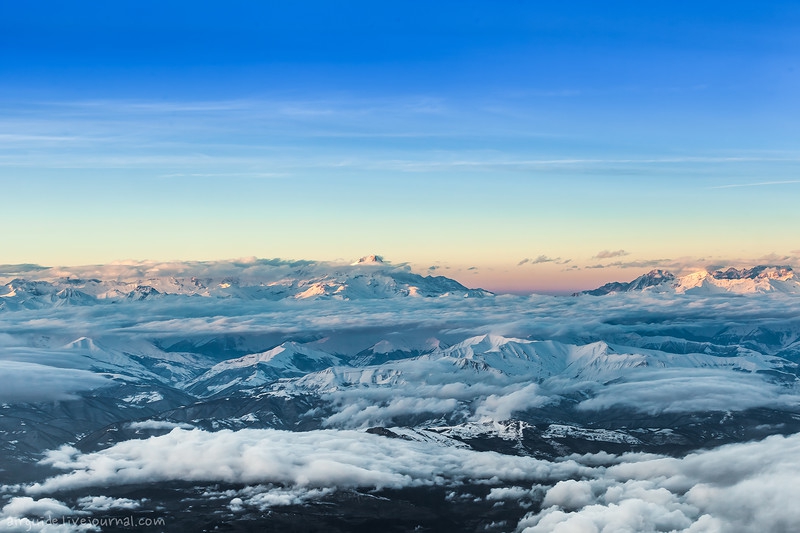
[
  {"x": 690, "y": 390},
  {"x": 734, "y": 488},
  {"x": 30, "y": 382},
  {"x": 314, "y": 459}
]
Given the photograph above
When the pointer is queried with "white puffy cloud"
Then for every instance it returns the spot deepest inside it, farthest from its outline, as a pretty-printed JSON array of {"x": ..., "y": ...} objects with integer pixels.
[
  {"x": 265, "y": 496},
  {"x": 499, "y": 407},
  {"x": 42, "y": 508},
  {"x": 106, "y": 503},
  {"x": 629, "y": 516},
  {"x": 157, "y": 424},
  {"x": 278, "y": 496},
  {"x": 314, "y": 459},
  {"x": 45, "y": 515},
  {"x": 569, "y": 494},
  {"x": 734, "y": 488},
  {"x": 521, "y": 494}
]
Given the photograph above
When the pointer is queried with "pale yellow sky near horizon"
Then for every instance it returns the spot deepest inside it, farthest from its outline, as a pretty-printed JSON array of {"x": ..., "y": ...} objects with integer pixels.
[{"x": 533, "y": 273}]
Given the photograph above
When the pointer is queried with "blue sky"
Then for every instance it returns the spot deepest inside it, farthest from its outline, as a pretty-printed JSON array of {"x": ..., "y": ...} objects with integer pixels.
[{"x": 466, "y": 136}]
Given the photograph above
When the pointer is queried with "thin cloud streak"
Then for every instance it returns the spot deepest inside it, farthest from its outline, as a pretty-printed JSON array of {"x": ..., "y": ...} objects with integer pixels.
[
  {"x": 607, "y": 254},
  {"x": 760, "y": 184}
]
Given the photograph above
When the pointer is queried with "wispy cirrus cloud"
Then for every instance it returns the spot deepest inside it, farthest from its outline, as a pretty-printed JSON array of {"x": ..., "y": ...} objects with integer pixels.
[
  {"x": 33, "y": 138},
  {"x": 644, "y": 263},
  {"x": 756, "y": 184},
  {"x": 543, "y": 259}
]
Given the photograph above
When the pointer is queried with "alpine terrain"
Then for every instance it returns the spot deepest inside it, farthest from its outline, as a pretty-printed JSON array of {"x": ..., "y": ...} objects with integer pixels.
[{"x": 310, "y": 396}]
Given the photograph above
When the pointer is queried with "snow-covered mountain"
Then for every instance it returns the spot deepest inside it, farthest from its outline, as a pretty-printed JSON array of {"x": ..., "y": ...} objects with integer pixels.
[
  {"x": 497, "y": 359},
  {"x": 368, "y": 278},
  {"x": 288, "y": 360},
  {"x": 134, "y": 359},
  {"x": 759, "y": 279},
  {"x": 651, "y": 279}
]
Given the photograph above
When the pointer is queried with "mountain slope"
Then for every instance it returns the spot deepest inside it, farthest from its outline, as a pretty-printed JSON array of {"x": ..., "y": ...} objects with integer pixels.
[
  {"x": 651, "y": 279},
  {"x": 288, "y": 360}
]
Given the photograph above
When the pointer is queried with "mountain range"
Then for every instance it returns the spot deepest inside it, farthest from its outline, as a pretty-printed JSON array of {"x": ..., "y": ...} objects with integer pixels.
[
  {"x": 369, "y": 277},
  {"x": 318, "y": 396},
  {"x": 762, "y": 278}
]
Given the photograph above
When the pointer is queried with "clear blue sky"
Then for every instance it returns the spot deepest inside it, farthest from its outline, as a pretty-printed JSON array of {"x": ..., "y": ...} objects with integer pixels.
[{"x": 461, "y": 135}]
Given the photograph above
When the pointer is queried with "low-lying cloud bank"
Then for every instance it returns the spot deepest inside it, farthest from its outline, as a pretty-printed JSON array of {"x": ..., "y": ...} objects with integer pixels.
[
  {"x": 45, "y": 515},
  {"x": 621, "y": 318},
  {"x": 414, "y": 390},
  {"x": 734, "y": 488},
  {"x": 31, "y": 382},
  {"x": 687, "y": 390},
  {"x": 439, "y": 387},
  {"x": 313, "y": 459}
]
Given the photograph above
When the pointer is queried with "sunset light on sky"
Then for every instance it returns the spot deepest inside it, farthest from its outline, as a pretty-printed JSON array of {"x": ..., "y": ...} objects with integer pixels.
[{"x": 509, "y": 145}]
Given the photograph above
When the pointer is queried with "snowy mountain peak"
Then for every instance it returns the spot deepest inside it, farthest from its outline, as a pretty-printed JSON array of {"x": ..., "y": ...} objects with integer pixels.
[
  {"x": 654, "y": 277},
  {"x": 85, "y": 344},
  {"x": 780, "y": 273},
  {"x": 485, "y": 343},
  {"x": 370, "y": 260},
  {"x": 651, "y": 279},
  {"x": 758, "y": 279}
]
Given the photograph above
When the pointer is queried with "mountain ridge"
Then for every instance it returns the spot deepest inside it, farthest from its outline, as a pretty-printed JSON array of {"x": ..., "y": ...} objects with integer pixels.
[
  {"x": 757, "y": 279},
  {"x": 371, "y": 277}
]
